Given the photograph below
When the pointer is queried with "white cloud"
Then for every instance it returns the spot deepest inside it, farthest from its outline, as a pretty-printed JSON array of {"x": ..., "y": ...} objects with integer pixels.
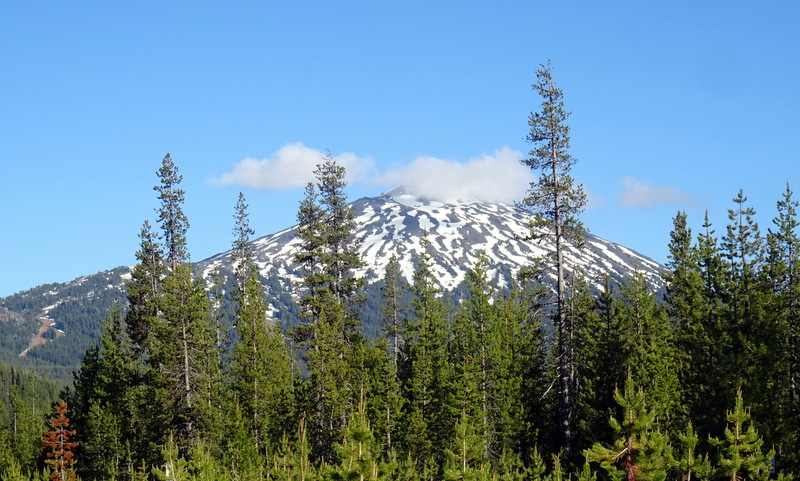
[
  {"x": 637, "y": 193},
  {"x": 290, "y": 167},
  {"x": 492, "y": 177},
  {"x": 498, "y": 177}
]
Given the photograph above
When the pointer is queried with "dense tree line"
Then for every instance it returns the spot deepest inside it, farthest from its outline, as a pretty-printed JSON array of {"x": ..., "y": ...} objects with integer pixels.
[{"x": 509, "y": 382}]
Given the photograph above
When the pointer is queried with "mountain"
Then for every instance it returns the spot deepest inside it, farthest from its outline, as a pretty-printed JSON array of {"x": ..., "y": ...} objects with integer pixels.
[
  {"x": 58, "y": 322},
  {"x": 396, "y": 222}
]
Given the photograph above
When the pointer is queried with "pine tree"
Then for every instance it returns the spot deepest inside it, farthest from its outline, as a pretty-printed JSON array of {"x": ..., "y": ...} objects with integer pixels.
[
  {"x": 516, "y": 380},
  {"x": 386, "y": 397},
  {"x": 143, "y": 431},
  {"x": 240, "y": 452},
  {"x": 491, "y": 341},
  {"x": 684, "y": 280},
  {"x": 540, "y": 428},
  {"x": 688, "y": 308},
  {"x": 175, "y": 466},
  {"x": 26, "y": 422},
  {"x": 358, "y": 452},
  {"x": 242, "y": 252},
  {"x": 603, "y": 368},
  {"x": 742, "y": 246},
  {"x": 467, "y": 398},
  {"x": 184, "y": 357},
  {"x": 691, "y": 465},
  {"x": 465, "y": 459},
  {"x": 385, "y": 391},
  {"x": 171, "y": 218},
  {"x": 204, "y": 466},
  {"x": 481, "y": 318},
  {"x": 341, "y": 256},
  {"x": 309, "y": 258},
  {"x": 14, "y": 472},
  {"x": 640, "y": 452},
  {"x": 176, "y": 390},
  {"x": 580, "y": 315},
  {"x": 104, "y": 404},
  {"x": 708, "y": 376},
  {"x": 749, "y": 359},
  {"x": 262, "y": 365},
  {"x": 555, "y": 200},
  {"x": 782, "y": 275},
  {"x": 328, "y": 256},
  {"x": 648, "y": 348},
  {"x": 391, "y": 294},
  {"x": 294, "y": 460},
  {"x": 426, "y": 423},
  {"x": 741, "y": 457},
  {"x": 144, "y": 288}
]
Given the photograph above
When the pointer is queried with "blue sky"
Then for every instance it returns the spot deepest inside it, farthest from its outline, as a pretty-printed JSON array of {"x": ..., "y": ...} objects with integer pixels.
[{"x": 676, "y": 106}]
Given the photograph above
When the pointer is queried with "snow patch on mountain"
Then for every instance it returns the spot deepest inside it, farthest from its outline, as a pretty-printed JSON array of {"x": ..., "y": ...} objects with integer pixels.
[{"x": 396, "y": 222}]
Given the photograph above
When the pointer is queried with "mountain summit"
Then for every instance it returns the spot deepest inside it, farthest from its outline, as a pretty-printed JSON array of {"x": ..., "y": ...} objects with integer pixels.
[{"x": 458, "y": 230}]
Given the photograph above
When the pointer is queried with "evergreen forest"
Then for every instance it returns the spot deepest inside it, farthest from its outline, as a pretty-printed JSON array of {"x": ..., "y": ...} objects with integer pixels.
[{"x": 523, "y": 382}]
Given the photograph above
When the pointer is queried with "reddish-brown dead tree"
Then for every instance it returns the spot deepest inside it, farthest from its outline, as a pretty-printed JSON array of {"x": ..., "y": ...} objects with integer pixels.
[{"x": 56, "y": 440}]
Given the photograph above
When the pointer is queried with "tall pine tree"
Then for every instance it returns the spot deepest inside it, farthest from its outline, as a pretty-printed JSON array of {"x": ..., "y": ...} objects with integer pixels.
[
  {"x": 328, "y": 256},
  {"x": 555, "y": 200},
  {"x": 427, "y": 423},
  {"x": 172, "y": 330},
  {"x": 262, "y": 363}
]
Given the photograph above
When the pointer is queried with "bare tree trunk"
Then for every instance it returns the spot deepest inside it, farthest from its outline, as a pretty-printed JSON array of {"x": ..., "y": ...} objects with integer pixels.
[{"x": 563, "y": 360}]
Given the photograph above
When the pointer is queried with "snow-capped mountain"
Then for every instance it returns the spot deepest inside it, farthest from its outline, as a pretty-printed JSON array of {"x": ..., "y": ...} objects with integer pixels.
[{"x": 396, "y": 222}]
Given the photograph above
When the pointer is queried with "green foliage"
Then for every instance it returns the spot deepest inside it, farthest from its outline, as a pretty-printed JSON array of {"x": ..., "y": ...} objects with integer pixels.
[
  {"x": 647, "y": 348},
  {"x": 24, "y": 417},
  {"x": 183, "y": 357},
  {"x": 555, "y": 202},
  {"x": 705, "y": 339},
  {"x": 171, "y": 218},
  {"x": 516, "y": 382},
  {"x": 328, "y": 256},
  {"x": 144, "y": 289},
  {"x": 13, "y": 472},
  {"x": 554, "y": 198},
  {"x": 392, "y": 307},
  {"x": 782, "y": 278},
  {"x": 603, "y": 368},
  {"x": 262, "y": 363},
  {"x": 690, "y": 311},
  {"x": 104, "y": 404},
  {"x": 175, "y": 467},
  {"x": 690, "y": 464},
  {"x": 740, "y": 454},
  {"x": 359, "y": 454},
  {"x": 426, "y": 420},
  {"x": 640, "y": 452},
  {"x": 466, "y": 459},
  {"x": 293, "y": 461}
]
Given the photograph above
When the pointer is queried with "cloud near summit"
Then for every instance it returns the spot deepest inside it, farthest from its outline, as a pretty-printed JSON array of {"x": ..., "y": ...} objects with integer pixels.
[
  {"x": 290, "y": 167},
  {"x": 498, "y": 176}
]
